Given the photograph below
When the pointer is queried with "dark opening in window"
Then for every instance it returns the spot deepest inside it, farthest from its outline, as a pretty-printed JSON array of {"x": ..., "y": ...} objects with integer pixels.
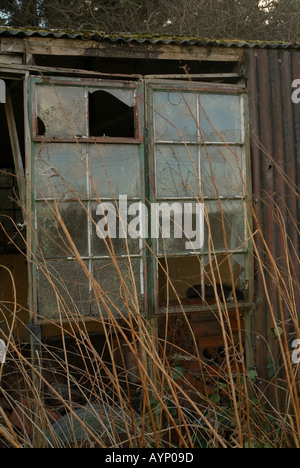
[
  {"x": 41, "y": 127},
  {"x": 181, "y": 279},
  {"x": 109, "y": 116}
]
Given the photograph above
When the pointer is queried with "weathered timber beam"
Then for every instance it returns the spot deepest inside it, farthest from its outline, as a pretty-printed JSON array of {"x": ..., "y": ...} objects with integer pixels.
[
  {"x": 22, "y": 69},
  {"x": 10, "y": 59},
  {"x": 14, "y": 139},
  {"x": 72, "y": 47}
]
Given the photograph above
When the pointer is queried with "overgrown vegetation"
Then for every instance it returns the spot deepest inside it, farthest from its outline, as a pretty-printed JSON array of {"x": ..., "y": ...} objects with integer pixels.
[
  {"x": 269, "y": 20},
  {"x": 136, "y": 388}
]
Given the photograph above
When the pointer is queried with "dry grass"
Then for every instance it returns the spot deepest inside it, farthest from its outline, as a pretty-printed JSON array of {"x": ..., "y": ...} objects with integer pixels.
[{"x": 130, "y": 387}]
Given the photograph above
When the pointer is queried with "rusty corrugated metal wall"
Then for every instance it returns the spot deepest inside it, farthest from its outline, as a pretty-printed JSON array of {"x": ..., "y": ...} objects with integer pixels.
[{"x": 275, "y": 147}]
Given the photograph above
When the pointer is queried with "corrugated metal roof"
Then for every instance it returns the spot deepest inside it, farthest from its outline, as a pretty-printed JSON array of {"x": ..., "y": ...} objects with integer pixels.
[{"x": 145, "y": 38}]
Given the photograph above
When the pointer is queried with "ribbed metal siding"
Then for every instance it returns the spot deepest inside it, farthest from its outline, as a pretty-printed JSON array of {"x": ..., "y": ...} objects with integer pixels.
[{"x": 275, "y": 126}]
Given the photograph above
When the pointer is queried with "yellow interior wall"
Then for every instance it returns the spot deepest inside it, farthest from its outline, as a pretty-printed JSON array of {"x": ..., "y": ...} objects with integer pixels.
[{"x": 13, "y": 273}]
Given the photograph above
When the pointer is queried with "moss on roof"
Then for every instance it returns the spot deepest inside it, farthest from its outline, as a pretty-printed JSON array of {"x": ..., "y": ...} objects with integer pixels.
[{"x": 144, "y": 37}]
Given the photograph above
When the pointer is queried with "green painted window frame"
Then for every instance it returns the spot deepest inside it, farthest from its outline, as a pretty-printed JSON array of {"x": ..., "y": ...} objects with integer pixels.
[
  {"x": 39, "y": 143},
  {"x": 145, "y": 140},
  {"x": 200, "y": 89}
]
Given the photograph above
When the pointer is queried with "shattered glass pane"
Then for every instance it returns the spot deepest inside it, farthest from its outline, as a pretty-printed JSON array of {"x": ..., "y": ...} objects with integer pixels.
[
  {"x": 220, "y": 118},
  {"x": 175, "y": 116},
  {"x": 60, "y": 171},
  {"x": 110, "y": 116},
  {"x": 223, "y": 171},
  {"x": 177, "y": 171},
  {"x": 115, "y": 289},
  {"x": 229, "y": 225},
  {"x": 115, "y": 170},
  {"x": 182, "y": 273},
  {"x": 62, "y": 110},
  {"x": 220, "y": 267},
  {"x": 53, "y": 242},
  {"x": 127, "y": 96}
]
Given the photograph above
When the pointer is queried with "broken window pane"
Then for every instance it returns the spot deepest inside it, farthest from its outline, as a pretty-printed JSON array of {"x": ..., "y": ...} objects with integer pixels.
[
  {"x": 60, "y": 171},
  {"x": 112, "y": 113},
  {"x": 219, "y": 270},
  {"x": 177, "y": 171},
  {"x": 52, "y": 240},
  {"x": 62, "y": 111},
  {"x": 181, "y": 279},
  {"x": 63, "y": 290},
  {"x": 234, "y": 226},
  {"x": 115, "y": 170},
  {"x": 108, "y": 286},
  {"x": 127, "y": 96},
  {"x": 176, "y": 276},
  {"x": 175, "y": 116},
  {"x": 220, "y": 118},
  {"x": 223, "y": 172}
]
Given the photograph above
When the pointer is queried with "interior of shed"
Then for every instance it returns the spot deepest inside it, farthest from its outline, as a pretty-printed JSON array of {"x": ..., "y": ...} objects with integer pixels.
[{"x": 12, "y": 227}]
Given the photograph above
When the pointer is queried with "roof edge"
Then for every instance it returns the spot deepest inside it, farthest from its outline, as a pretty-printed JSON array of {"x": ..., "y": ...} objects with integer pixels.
[{"x": 144, "y": 38}]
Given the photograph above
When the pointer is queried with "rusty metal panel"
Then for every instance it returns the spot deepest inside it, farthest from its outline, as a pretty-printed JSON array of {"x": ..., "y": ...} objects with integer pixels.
[
  {"x": 275, "y": 149},
  {"x": 195, "y": 343}
]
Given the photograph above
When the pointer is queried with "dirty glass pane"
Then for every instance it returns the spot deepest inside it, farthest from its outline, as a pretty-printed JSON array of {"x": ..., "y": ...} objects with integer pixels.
[
  {"x": 63, "y": 110},
  {"x": 175, "y": 116},
  {"x": 108, "y": 286},
  {"x": 234, "y": 225},
  {"x": 52, "y": 241},
  {"x": 177, "y": 171},
  {"x": 219, "y": 267},
  {"x": 60, "y": 171},
  {"x": 110, "y": 231},
  {"x": 127, "y": 96},
  {"x": 115, "y": 170},
  {"x": 220, "y": 118},
  {"x": 179, "y": 224},
  {"x": 223, "y": 169},
  {"x": 63, "y": 290}
]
